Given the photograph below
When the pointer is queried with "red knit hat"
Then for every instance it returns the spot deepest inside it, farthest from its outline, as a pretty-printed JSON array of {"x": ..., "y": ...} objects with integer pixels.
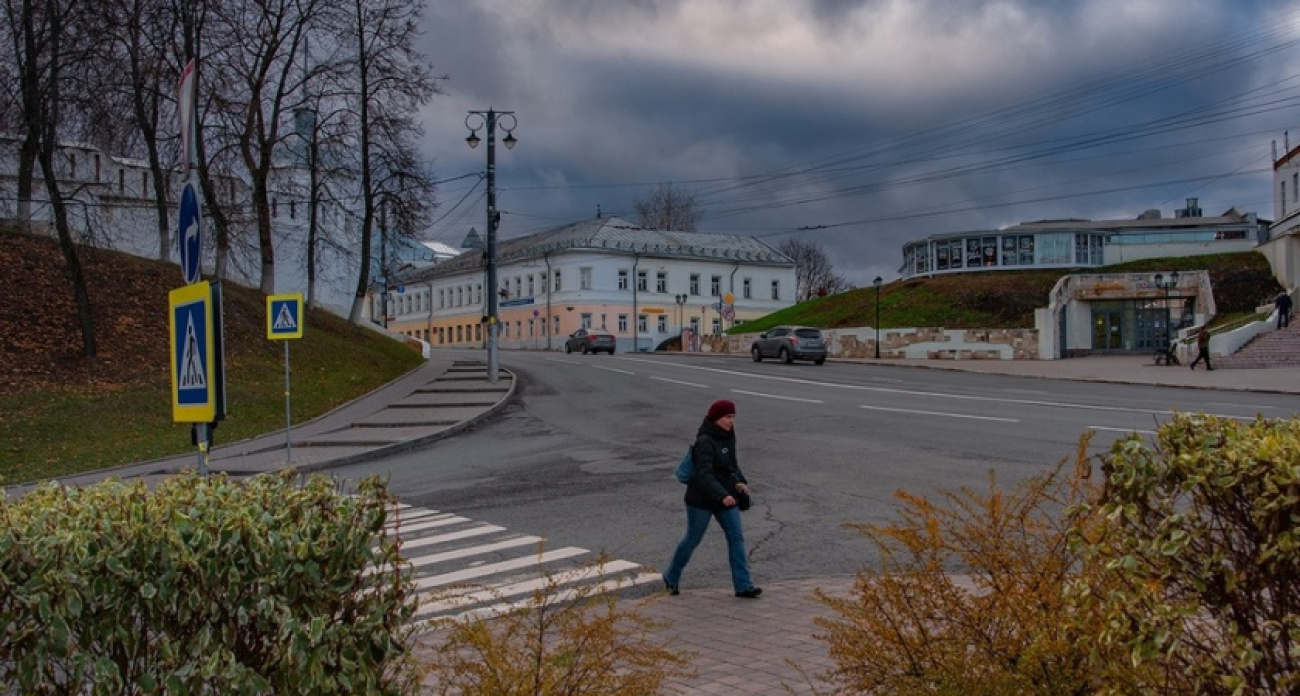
[{"x": 720, "y": 408}]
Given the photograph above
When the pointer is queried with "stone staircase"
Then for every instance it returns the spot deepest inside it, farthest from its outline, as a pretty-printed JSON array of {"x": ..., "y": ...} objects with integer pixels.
[{"x": 1280, "y": 348}]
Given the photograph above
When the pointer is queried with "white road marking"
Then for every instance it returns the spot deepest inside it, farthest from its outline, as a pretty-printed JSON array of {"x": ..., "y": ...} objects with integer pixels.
[
  {"x": 613, "y": 369},
  {"x": 940, "y": 413},
  {"x": 936, "y": 395},
  {"x": 678, "y": 381},
  {"x": 1122, "y": 430},
  {"x": 777, "y": 396}
]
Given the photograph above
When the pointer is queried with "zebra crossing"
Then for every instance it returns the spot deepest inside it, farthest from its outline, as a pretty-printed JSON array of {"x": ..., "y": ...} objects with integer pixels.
[{"x": 464, "y": 568}]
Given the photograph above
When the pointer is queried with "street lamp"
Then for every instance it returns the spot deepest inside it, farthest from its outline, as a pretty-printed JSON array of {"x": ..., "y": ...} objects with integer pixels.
[
  {"x": 877, "y": 283},
  {"x": 489, "y": 120},
  {"x": 1167, "y": 285},
  {"x": 681, "y": 320}
]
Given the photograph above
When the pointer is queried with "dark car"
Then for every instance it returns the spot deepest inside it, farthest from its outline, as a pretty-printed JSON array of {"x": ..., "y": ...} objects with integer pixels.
[
  {"x": 790, "y": 343},
  {"x": 590, "y": 341}
]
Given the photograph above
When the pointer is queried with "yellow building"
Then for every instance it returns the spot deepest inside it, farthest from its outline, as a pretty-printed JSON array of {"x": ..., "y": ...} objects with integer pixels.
[{"x": 642, "y": 285}]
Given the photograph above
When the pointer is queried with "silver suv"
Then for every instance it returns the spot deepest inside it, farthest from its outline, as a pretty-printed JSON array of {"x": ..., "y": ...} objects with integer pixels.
[{"x": 790, "y": 343}]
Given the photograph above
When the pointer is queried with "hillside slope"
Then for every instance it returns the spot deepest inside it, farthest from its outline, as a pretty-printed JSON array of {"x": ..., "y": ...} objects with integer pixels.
[
  {"x": 60, "y": 412},
  {"x": 1007, "y": 299}
]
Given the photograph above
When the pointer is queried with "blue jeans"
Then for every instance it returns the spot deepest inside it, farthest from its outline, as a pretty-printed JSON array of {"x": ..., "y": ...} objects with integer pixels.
[{"x": 697, "y": 522}]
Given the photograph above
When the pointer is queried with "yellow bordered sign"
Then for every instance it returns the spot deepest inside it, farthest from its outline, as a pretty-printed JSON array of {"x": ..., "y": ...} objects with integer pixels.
[
  {"x": 193, "y": 364},
  {"x": 284, "y": 316}
]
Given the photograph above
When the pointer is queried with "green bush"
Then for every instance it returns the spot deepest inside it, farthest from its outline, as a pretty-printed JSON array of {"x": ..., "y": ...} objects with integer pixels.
[
  {"x": 1202, "y": 553},
  {"x": 203, "y": 586}
]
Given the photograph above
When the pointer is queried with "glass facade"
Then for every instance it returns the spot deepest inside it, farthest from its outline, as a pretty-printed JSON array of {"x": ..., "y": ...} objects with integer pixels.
[{"x": 1139, "y": 325}]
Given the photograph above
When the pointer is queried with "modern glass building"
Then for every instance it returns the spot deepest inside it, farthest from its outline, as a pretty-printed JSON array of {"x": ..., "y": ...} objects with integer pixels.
[{"x": 1079, "y": 244}]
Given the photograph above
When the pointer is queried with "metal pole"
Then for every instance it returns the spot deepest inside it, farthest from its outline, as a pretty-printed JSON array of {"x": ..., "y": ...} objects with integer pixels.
[
  {"x": 288, "y": 418},
  {"x": 492, "y": 245},
  {"x": 201, "y": 434},
  {"x": 877, "y": 320}
]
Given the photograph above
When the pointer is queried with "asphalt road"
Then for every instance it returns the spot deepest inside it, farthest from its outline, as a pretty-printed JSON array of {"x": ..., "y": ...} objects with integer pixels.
[{"x": 584, "y": 454}]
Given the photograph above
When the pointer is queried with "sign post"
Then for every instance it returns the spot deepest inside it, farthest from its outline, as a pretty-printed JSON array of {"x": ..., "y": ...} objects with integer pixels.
[{"x": 284, "y": 323}]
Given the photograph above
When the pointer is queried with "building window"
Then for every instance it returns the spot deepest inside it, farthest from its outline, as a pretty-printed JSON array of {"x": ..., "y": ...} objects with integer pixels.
[
  {"x": 641, "y": 324},
  {"x": 584, "y": 278},
  {"x": 622, "y": 279},
  {"x": 556, "y": 325},
  {"x": 661, "y": 282},
  {"x": 776, "y": 289},
  {"x": 557, "y": 280},
  {"x": 519, "y": 286},
  {"x": 478, "y": 294},
  {"x": 717, "y": 326},
  {"x": 530, "y": 286},
  {"x": 585, "y": 322},
  {"x": 715, "y": 286},
  {"x": 695, "y": 283},
  {"x": 662, "y": 323},
  {"x": 642, "y": 281},
  {"x": 747, "y": 288},
  {"x": 622, "y": 323}
]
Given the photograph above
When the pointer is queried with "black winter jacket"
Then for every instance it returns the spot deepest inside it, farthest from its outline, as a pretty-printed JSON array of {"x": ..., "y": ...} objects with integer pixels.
[{"x": 716, "y": 471}]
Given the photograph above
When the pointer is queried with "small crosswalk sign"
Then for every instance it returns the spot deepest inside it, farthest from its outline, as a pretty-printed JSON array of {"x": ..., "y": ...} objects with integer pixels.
[
  {"x": 193, "y": 354},
  {"x": 284, "y": 316}
]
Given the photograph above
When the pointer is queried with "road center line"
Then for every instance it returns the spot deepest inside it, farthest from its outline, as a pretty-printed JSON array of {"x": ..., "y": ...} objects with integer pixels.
[
  {"x": 678, "y": 381},
  {"x": 940, "y": 413},
  {"x": 936, "y": 395},
  {"x": 777, "y": 396},
  {"x": 1122, "y": 430},
  {"x": 613, "y": 369}
]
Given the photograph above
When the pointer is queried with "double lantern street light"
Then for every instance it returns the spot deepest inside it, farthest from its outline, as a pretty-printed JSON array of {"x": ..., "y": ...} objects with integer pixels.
[
  {"x": 489, "y": 119},
  {"x": 1167, "y": 285},
  {"x": 877, "y": 283}
]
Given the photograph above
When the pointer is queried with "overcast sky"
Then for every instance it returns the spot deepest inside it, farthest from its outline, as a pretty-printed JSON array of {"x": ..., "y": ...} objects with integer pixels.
[{"x": 862, "y": 124}]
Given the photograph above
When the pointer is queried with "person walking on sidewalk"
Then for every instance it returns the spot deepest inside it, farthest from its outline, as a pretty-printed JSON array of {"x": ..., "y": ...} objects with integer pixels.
[
  {"x": 1203, "y": 349},
  {"x": 717, "y": 490},
  {"x": 1282, "y": 303}
]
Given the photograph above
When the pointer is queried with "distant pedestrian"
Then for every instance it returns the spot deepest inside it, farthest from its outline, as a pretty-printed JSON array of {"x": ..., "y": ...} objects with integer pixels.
[
  {"x": 1283, "y": 306},
  {"x": 1203, "y": 349},
  {"x": 717, "y": 490}
]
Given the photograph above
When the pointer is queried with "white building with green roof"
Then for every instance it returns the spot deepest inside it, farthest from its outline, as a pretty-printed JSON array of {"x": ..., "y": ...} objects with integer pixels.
[{"x": 642, "y": 285}]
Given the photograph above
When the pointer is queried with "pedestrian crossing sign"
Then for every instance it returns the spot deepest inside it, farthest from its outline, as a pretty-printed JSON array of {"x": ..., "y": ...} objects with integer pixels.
[
  {"x": 284, "y": 316},
  {"x": 193, "y": 364}
]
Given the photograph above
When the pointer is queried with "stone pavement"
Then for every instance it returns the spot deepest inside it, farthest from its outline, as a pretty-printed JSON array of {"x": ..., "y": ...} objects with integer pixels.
[{"x": 740, "y": 646}]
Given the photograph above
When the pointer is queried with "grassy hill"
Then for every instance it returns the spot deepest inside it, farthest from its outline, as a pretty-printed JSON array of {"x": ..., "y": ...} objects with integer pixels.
[
  {"x": 1007, "y": 299},
  {"x": 61, "y": 413}
]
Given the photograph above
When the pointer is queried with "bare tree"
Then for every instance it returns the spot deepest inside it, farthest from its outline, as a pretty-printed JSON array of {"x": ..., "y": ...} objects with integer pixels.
[
  {"x": 668, "y": 207},
  {"x": 813, "y": 273},
  {"x": 260, "y": 44},
  {"x": 139, "y": 68},
  {"x": 386, "y": 83},
  {"x": 48, "y": 40}
]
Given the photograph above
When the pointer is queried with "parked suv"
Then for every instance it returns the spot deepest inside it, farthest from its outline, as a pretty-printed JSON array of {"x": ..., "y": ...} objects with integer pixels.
[
  {"x": 790, "y": 343},
  {"x": 590, "y": 341}
]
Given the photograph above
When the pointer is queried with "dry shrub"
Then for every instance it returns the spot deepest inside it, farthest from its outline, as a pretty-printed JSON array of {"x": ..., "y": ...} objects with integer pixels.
[
  {"x": 563, "y": 642},
  {"x": 970, "y": 596}
]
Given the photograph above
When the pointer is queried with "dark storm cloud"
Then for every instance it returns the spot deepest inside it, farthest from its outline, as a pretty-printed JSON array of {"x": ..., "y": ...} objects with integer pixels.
[{"x": 864, "y": 124}]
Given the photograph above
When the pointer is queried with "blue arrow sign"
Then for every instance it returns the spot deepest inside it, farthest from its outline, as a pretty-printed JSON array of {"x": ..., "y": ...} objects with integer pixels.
[{"x": 189, "y": 237}]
